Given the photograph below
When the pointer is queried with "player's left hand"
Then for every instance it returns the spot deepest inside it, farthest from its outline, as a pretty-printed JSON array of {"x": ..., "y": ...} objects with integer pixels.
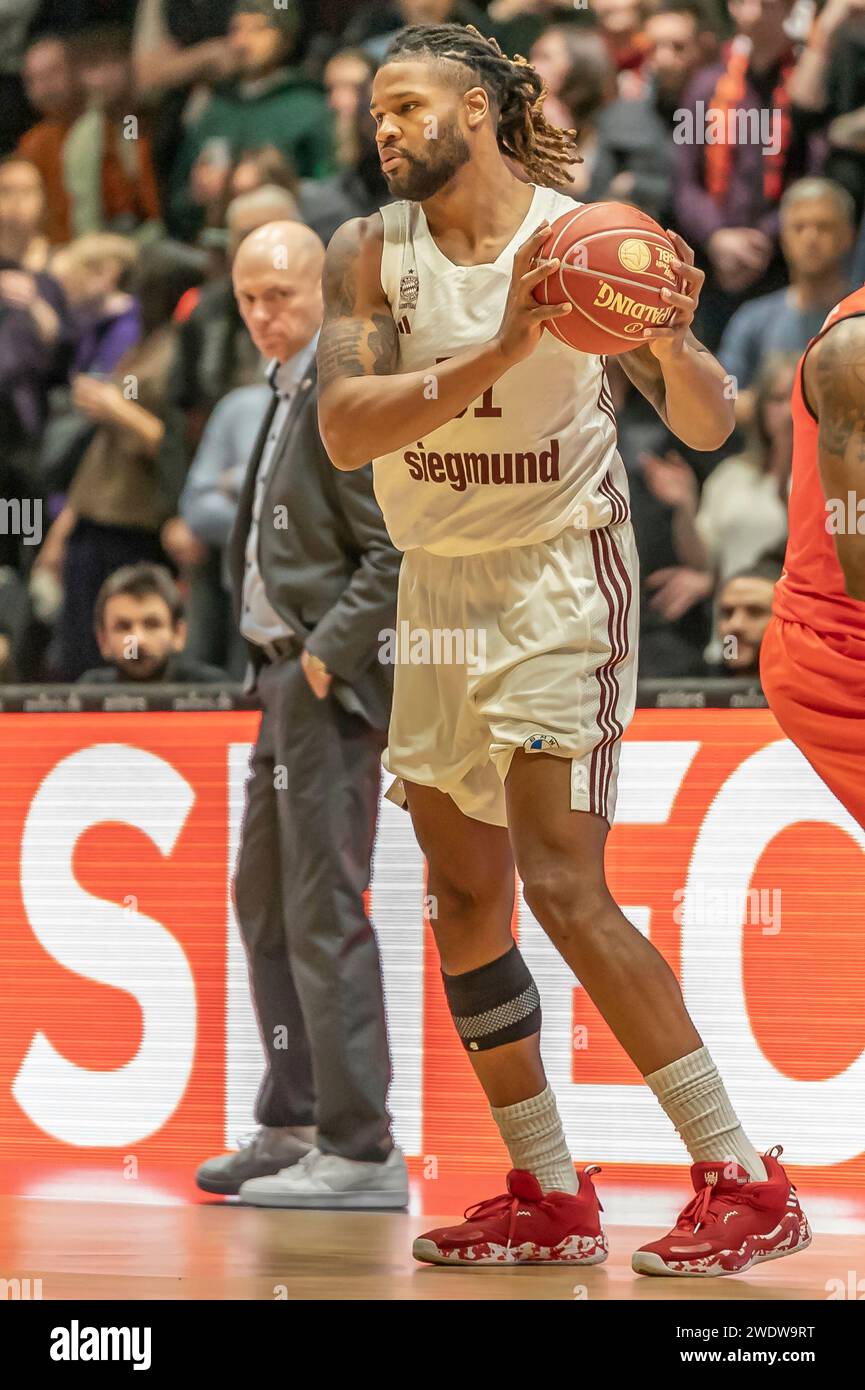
[
  {"x": 318, "y": 678},
  {"x": 669, "y": 340}
]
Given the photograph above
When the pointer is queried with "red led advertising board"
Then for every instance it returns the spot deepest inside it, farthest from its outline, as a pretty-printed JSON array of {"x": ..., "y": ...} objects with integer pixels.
[{"x": 127, "y": 1027}]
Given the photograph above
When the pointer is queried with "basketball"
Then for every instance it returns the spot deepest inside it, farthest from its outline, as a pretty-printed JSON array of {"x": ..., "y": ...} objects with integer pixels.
[{"x": 615, "y": 260}]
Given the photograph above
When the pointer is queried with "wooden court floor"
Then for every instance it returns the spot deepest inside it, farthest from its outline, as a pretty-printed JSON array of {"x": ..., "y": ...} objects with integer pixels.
[{"x": 217, "y": 1250}]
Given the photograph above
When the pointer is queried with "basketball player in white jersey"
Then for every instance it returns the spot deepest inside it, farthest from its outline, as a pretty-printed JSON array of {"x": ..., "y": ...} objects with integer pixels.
[{"x": 495, "y": 463}]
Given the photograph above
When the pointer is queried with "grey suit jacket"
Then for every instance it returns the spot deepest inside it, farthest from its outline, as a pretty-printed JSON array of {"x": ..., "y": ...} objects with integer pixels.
[{"x": 328, "y": 564}]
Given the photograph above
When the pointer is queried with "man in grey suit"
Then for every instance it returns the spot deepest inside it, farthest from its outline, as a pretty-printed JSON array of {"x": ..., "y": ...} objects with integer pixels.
[{"x": 314, "y": 578}]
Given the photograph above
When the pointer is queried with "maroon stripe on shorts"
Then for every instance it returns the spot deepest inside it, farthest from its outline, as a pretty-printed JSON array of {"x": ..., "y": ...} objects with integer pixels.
[
  {"x": 606, "y": 405},
  {"x": 615, "y": 585},
  {"x": 620, "y": 578},
  {"x": 607, "y": 687},
  {"x": 617, "y": 502},
  {"x": 605, "y": 400}
]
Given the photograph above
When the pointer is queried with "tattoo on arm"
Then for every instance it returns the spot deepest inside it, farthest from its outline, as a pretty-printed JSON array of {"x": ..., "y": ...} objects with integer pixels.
[
  {"x": 836, "y": 372},
  {"x": 356, "y": 347},
  {"x": 351, "y": 343},
  {"x": 840, "y": 390},
  {"x": 339, "y": 284}
]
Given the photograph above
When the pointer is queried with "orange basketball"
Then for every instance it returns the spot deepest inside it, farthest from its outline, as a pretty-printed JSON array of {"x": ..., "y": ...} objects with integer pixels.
[{"x": 614, "y": 263}]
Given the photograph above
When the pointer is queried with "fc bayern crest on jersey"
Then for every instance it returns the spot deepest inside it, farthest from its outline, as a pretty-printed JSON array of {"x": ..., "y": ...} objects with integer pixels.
[{"x": 408, "y": 288}]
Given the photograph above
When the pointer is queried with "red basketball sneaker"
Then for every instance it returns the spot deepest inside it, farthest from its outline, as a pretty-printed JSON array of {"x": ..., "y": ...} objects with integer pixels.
[
  {"x": 731, "y": 1223},
  {"x": 523, "y": 1227}
]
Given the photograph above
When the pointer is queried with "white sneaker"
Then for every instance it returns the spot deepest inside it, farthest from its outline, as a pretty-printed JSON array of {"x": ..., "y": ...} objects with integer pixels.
[
  {"x": 266, "y": 1150},
  {"x": 322, "y": 1180}
]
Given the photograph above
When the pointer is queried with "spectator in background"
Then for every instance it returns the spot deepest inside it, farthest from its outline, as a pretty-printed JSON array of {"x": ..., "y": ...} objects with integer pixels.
[
  {"x": 518, "y": 24},
  {"x": 744, "y": 609},
  {"x": 55, "y": 92},
  {"x": 742, "y": 512},
  {"x": 743, "y": 507},
  {"x": 346, "y": 75},
  {"x": 107, "y": 324},
  {"x": 374, "y": 25},
  {"x": 727, "y": 189},
  {"x": 208, "y": 504},
  {"x": 829, "y": 80},
  {"x": 117, "y": 505},
  {"x": 816, "y": 236},
  {"x": 255, "y": 168},
  {"x": 621, "y": 24},
  {"x": 583, "y": 91},
  {"x": 22, "y": 204},
  {"x": 357, "y": 190},
  {"x": 139, "y": 623},
  {"x": 214, "y": 352},
  {"x": 674, "y": 621},
  {"x": 268, "y": 102},
  {"x": 210, "y": 187},
  {"x": 553, "y": 55},
  {"x": 107, "y": 162},
  {"x": 35, "y": 351},
  {"x": 217, "y": 180},
  {"x": 107, "y": 320},
  {"x": 16, "y": 17},
  {"x": 214, "y": 355},
  {"x": 635, "y": 135},
  {"x": 180, "y": 49}
]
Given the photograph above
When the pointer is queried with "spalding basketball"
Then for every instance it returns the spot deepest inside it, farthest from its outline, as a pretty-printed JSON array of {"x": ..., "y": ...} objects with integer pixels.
[{"x": 614, "y": 262}]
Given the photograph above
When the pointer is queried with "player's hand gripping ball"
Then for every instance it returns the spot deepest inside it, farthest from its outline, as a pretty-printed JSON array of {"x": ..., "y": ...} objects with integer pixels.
[{"x": 614, "y": 263}]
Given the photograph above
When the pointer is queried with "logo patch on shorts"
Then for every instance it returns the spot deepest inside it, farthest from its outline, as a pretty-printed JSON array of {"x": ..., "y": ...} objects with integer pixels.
[{"x": 537, "y": 743}]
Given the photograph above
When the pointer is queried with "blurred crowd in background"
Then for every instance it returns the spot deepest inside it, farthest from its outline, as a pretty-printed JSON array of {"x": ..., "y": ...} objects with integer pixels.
[{"x": 141, "y": 140}]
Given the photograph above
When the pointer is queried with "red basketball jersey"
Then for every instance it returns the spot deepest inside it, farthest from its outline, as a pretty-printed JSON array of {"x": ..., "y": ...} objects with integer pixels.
[{"x": 811, "y": 589}]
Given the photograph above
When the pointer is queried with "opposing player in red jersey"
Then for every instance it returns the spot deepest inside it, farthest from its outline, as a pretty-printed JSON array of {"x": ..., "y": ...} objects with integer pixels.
[{"x": 813, "y": 657}]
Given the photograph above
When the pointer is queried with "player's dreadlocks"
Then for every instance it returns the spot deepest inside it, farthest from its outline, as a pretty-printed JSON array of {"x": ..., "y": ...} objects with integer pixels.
[{"x": 517, "y": 92}]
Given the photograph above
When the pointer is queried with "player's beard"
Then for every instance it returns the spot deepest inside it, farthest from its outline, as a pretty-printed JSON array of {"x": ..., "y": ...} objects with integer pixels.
[{"x": 421, "y": 178}]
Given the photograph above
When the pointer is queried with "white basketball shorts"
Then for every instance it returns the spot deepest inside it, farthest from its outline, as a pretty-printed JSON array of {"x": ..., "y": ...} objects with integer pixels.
[{"x": 530, "y": 647}]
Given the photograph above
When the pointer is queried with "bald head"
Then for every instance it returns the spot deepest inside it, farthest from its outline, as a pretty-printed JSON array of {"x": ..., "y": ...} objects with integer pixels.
[
  {"x": 248, "y": 211},
  {"x": 277, "y": 280},
  {"x": 283, "y": 246}
]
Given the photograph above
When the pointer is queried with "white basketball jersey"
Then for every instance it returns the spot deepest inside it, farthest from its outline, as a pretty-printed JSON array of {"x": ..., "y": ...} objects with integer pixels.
[{"x": 535, "y": 453}]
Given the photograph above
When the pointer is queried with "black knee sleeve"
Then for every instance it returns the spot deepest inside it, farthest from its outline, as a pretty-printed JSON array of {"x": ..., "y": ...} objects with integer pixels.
[{"x": 495, "y": 1004}]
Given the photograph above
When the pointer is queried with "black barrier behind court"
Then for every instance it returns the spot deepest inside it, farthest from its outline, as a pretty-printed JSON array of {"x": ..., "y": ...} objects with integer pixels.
[{"x": 136, "y": 698}]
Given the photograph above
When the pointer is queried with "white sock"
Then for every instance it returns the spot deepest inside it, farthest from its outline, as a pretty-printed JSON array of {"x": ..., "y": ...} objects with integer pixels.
[
  {"x": 532, "y": 1131},
  {"x": 694, "y": 1097}
]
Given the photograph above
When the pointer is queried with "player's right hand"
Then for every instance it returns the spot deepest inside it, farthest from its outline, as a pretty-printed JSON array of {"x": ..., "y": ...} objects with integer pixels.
[{"x": 523, "y": 319}]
